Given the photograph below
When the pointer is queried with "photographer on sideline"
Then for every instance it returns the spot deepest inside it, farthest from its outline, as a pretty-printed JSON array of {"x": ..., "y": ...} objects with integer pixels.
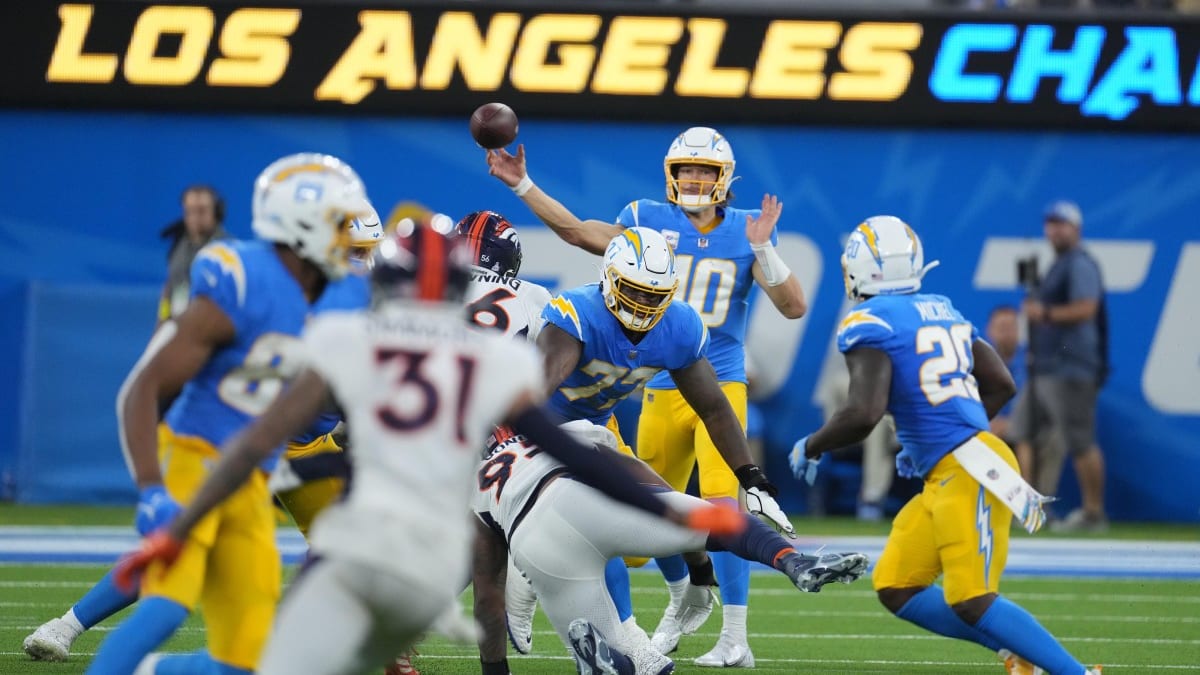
[{"x": 1068, "y": 352}]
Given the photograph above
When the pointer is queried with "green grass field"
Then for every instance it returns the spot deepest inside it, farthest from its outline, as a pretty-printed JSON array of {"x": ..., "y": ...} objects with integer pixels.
[{"x": 1130, "y": 626}]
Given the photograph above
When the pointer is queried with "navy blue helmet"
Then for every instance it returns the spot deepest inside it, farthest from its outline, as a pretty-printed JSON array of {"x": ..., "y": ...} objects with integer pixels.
[{"x": 492, "y": 241}]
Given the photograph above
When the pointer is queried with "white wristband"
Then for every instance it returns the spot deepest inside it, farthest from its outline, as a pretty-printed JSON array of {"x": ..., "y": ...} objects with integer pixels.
[
  {"x": 523, "y": 186},
  {"x": 773, "y": 267}
]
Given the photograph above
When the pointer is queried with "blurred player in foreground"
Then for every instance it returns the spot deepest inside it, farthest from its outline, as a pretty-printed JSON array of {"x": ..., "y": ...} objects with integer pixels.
[
  {"x": 722, "y": 253},
  {"x": 226, "y": 358},
  {"x": 421, "y": 390},
  {"x": 914, "y": 355},
  {"x": 52, "y": 640}
]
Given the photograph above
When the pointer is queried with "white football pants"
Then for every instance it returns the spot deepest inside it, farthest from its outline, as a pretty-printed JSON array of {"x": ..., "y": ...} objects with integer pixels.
[
  {"x": 569, "y": 535},
  {"x": 343, "y": 617}
]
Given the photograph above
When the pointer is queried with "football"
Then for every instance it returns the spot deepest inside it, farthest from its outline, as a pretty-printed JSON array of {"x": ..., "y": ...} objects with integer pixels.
[{"x": 494, "y": 125}]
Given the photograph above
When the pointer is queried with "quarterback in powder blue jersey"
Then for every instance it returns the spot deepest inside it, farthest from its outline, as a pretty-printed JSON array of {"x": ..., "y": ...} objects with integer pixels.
[
  {"x": 722, "y": 252},
  {"x": 228, "y": 355},
  {"x": 914, "y": 355}
]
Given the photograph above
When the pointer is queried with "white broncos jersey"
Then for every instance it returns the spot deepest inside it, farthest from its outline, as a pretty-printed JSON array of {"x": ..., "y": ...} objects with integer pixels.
[
  {"x": 507, "y": 304},
  {"x": 514, "y": 469},
  {"x": 422, "y": 390}
]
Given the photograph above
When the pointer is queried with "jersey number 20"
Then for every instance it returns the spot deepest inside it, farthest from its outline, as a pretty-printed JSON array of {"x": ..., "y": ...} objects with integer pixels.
[{"x": 947, "y": 375}]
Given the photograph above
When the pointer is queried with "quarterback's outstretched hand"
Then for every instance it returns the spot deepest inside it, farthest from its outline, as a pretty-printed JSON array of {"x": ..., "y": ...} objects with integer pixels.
[
  {"x": 720, "y": 519},
  {"x": 803, "y": 468},
  {"x": 156, "y": 508},
  {"x": 509, "y": 168},
  {"x": 158, "y": 546},
  {"x": 758, "y": 230}
]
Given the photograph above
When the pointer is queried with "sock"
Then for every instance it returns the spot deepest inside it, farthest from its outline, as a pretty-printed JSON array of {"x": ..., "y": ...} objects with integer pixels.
[
  {"x": 616, "y": 578},
  {"x": 676, "y": 589},
  {"x": 928, "y": 609},
  {"x": 73, "y": 622},
  {"x": 152, "y": 623},
  {"x": 100, "y": 602},
  {"x": 733, "y": 618},
  {"x": 759, "y": 542},
  {"x": 673, "y": 568},
  {"x": 1016, "y": 630},
  {"x": 196, "y": 662}
]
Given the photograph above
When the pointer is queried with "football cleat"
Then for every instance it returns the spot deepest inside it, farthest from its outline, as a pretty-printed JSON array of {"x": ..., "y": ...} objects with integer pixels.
[
  {"x": 667, "y": 633},
  {"x": 1015, "y": 665},
  {"x": 51, "y": 641},
  {"x": 403, "y": 665},
  {"x": 695, "y": 607},
  {"x": 520, "y": 602},
  {"x": 729, "y": 652},
  {"x": 809, "y": 572},
  {"x": 592, "y": 655}
]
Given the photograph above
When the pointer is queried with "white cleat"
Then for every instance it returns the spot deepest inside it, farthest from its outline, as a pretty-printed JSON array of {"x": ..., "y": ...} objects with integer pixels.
[
  {"x": 728, "y": 653},
  {"x": 695, "y": 607},
  {"x": 649, "y": 661},
  {"x": 666, "y": 635},
  {"x": 51, "y": 641},
  {"x": 520, "y": 602}
]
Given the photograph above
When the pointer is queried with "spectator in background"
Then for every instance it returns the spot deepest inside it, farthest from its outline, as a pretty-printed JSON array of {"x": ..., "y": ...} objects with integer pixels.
[
  {"x": 1003, "y": 332},
  {"x": 203, "y": 214},
  {"x": 1068, "y": 348}
]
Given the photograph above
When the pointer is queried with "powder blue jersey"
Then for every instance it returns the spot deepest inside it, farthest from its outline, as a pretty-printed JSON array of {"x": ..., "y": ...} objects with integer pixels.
[
  {"x": 268, "y": 309},
  {"x": 714, "y": 277},
  {"x": 611, "y": 367},
  {"x": 933, "y": 398},
  {"x": 351, "y": 295}
]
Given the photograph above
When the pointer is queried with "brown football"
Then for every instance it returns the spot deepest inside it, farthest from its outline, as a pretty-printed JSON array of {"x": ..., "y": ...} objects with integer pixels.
[{"x": 493, "y": 125}]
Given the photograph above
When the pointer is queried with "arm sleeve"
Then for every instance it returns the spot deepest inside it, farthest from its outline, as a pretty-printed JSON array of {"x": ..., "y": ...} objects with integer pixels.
[
  {"x": 217, "y": 274},
  {"x": 561, "y": 312},
  {"x": 1084, "y": 282},
  {"x": 862, "y": 328},
  {"x": 594, "y": 468},
  {"x": 628, "y": 217}
]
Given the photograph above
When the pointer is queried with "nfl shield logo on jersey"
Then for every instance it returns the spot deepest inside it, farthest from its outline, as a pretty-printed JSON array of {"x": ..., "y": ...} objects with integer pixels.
[{"x": 672, "y": 238}]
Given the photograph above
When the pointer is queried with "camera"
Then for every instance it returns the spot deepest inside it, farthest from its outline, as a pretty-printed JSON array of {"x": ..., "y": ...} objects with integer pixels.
[{"x": 1027, "y": 273}]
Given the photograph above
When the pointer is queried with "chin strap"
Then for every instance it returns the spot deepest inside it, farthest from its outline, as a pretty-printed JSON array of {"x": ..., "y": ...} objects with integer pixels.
[{"x": 925, "y": 269}]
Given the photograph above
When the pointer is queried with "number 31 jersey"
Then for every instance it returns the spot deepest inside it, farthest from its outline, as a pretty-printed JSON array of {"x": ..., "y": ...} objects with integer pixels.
[
  {"x": 933, "y": 397},
  {"x": 422, "y": 389}
]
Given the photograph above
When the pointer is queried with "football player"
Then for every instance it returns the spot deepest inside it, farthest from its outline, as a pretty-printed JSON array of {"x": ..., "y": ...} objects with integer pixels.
[
  {"x": 421, "y": 391},
  {"x": 52, "y": 640},
  {"x": 227, "y": 357},
  {"x": 497, "y": 298},
  {"x": 915, "y": 356},
  {"x": 722, "y": 252},
  {"x": 604, "y": 341},
  {"x": 564, "y": 532}
]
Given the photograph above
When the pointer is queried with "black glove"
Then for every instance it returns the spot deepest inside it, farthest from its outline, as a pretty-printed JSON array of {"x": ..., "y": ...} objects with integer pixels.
[{"x": 750, "y": 476}]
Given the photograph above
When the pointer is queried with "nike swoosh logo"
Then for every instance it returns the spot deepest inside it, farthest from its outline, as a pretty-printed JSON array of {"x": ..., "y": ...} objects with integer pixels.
[
  {"x": 209, "y": 277},
  {"x": 948, "y": 479},
  {"x": 851, "y": 341}
]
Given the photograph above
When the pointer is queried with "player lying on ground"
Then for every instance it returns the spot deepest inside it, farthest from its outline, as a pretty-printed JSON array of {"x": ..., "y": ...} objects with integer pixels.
[
  {"x": 914, "y": 355},
  {"x": 561, "y": 533},
  {"x": 421, "y": 390}
]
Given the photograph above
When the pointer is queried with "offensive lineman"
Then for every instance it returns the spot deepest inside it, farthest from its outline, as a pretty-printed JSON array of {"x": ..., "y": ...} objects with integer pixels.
[{"x": 723, "y": 252}]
